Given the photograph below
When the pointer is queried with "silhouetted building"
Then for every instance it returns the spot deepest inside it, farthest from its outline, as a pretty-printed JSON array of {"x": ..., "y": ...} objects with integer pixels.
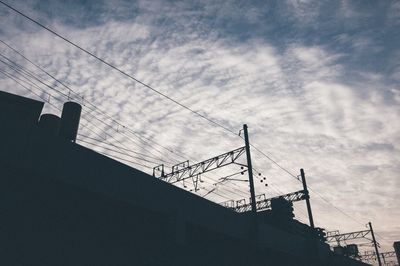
[
  {"x": 64, "y": 204},
  {"x": 396, "y": 246}
]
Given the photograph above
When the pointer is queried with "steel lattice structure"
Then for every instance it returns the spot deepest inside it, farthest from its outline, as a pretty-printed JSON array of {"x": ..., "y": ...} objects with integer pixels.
[
  {"x": 390, "y": 254},
  {"x": 183, "y": 171},
  {"x": 386, "y": 255},
  {"x": 262, "y": 202},
  {"x": 347, "y": 236},
  {"x": 371, "y": 256},
  {"x": 332, "y": 233},
  {"x": 368, "y": 256}
]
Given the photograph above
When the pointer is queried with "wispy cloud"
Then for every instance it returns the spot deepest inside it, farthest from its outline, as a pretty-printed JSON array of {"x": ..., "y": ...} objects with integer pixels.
[{"x": 316, "y": 87}]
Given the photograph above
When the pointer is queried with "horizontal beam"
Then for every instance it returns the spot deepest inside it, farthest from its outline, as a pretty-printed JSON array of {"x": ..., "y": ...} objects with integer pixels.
[
  {"x": 332, "y": 233},
  {"x": 347, "y": 236},
  {"x": 262, "y": 202},
  {"x": 371, "y": 256},
  {"x": 368, "y": 257},
  {"x": 191, "y": 171},
  {"x": 390, "y": 254}
]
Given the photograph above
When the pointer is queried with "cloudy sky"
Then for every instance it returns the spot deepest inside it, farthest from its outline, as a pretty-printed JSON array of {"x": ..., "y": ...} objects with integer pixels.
[{"x": 317, "y": 82}]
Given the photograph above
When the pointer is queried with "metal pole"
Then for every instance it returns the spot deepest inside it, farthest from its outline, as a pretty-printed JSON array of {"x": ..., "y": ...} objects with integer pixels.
[
  {"x": 250, "y": 170},
  {"x": 375, "y": 245},
  {"x": 383, "y": 258},
  {"x": 310, "y": 216}
]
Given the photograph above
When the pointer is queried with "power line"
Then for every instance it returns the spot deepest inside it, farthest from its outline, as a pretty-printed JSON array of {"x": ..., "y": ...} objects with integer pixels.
[
  {"x": 228, "y": 189},
  {"x": 25, "y": 87},
  {"x": 116, "y": 151},
  {"x": 122, "y": 148},
  {"x": 117, "y": 69},
  {"x": 57, "y": 108},
  {"x": 126, "y": 160},
  {"x": 138, "y": 81},
  {"x": 92, "y": 105},
  {"x": 273, "y": 161},
  {"x": 24, "y": 72},
  {"x": 27, "y": 81}
]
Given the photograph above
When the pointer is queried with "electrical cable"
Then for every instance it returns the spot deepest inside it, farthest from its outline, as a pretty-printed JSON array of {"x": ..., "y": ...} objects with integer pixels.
[
  {"x": 116, "y": 151},
  {"x": 57, "y": 108},
  {"x": 138, "y": 81},
  {"x": 116, "y": 68},
  {"x": 233, "y": 191},
  {"x": 28, "y": 89},
  {"x": 125, "y": 149},
  {"x": 21, "y": 70},
  {"x": 92, "y": 105}
]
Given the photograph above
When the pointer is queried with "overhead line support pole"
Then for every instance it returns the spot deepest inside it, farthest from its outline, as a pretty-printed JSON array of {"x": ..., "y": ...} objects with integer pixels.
[
  {"x": 375, "y": 244},
  {"x": 310, "y": 216},
  {"x": 250, "y": 171}
]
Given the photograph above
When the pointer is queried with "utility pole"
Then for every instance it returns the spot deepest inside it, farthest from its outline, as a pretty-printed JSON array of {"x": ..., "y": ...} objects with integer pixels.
[
  {"x": 250, "y": 171},
  {"x": 310, "y": 216},
  {"x": 375, "y": 245}
]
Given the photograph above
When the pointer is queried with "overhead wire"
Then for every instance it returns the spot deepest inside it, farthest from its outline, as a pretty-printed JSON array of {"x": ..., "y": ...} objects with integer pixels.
[
  {"x": 25, "y": 87},
  {"x": 26, "y": 81},
  {"x": 116, "y": 151},
  {"x": 125, "y": 149},
  {"x": 18, "y": 81},
  {"x": 94, "y": 107},
  {"x": 136, "y": 80},
  {"x": 116, "y": 68},
  {"x": 224, "y": 180},
  {"x": 230, "y": 190},
  {"x": 25, "y": 72}
]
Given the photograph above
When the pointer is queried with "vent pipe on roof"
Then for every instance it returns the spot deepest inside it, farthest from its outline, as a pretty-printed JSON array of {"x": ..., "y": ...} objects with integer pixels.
[
  {"x": 50, "y": 123},
  {"x": 70, "y": 117}
]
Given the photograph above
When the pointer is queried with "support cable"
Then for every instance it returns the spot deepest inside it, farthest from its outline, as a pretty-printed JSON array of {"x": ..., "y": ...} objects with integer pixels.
[
  {"x": 116, "y": 68},
  {"x": 124, "y": 149},
  {"x": 24, "y": 73},
  {"x": 94, "y": 107},
  {"x": 18, "y": 81},
  {"x": 135, "y": 79}
]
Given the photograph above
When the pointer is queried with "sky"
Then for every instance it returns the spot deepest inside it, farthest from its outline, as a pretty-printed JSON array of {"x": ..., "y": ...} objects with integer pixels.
[{"x": 317, "y": 83}]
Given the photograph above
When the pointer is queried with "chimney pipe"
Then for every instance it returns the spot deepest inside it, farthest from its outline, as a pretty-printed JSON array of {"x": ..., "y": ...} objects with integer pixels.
[
  {"x": 50, "y": 123},
  {"x": 70, "y": 117}
]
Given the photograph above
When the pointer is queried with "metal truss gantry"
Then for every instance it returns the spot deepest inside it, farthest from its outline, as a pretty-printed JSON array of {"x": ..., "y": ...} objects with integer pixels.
[
  {"x": 262, "y": 202},
  {"x": 183, "y": 171},
  {"x": 371, "y": 256},
  {"x": 335, "y": 236}
]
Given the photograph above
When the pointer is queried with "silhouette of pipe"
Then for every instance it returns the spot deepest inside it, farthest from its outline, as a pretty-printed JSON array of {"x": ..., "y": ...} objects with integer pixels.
[
  {"x": 50, "y": 123},
  {"x": 70, "y": 118}
]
